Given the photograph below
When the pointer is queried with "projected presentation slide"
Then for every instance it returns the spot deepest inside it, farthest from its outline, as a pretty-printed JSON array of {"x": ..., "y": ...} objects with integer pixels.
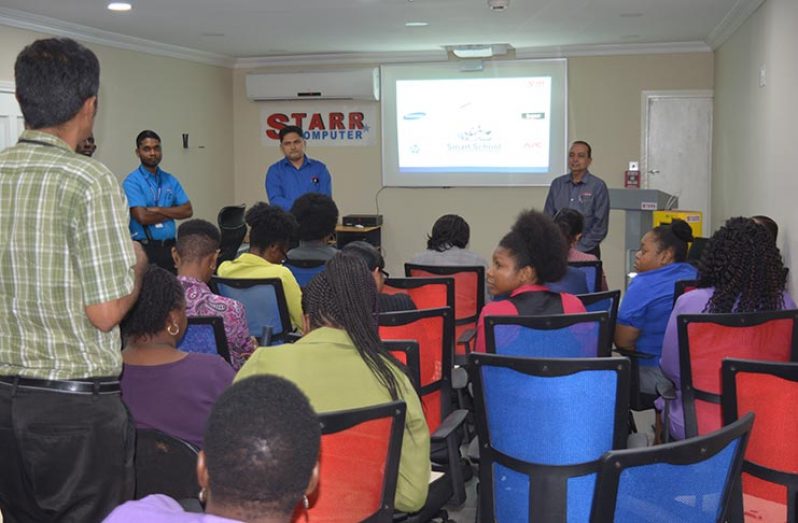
[{"x": 499, "y": 125}]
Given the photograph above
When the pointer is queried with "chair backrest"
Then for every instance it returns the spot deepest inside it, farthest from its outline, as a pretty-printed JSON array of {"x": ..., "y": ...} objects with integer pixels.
[
  {"x": 358, "y": 464},
  {"x": 606, "y": 301},
  {"x": 426, "y": 293},
  {"x": 164, "y": 465},
  {"x": 593, "y": 271},
  {"x": 770, "y": 467},
  {"x": 549, "y": 336},
  {"x": 682, "y": 286},
  {"x": 264, "y": 300},
  {"x": 305, "y": 270},
  {"x": 543, "y": 425},
  {"x": 432, "y": 329},
  {"x": 233, "y": 230},
  {"x": 705, "y": 339},
  {"x": 469, "y": 291},
  {"x": 688, "y": 481},
  {"x": 205, "y": 334},
  {"x": 406, "y": 353}
]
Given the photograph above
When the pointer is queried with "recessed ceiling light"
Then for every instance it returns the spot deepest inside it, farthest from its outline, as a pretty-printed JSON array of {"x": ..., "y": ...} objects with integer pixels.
[
  {"x": 416, "y": 24},
  {"x": 631, "y": 15},
  {"x": 119, "y": 6}
]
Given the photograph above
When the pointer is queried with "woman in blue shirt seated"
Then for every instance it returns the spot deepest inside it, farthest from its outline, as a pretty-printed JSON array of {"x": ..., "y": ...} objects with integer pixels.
[{"x": 646, "y": 307}]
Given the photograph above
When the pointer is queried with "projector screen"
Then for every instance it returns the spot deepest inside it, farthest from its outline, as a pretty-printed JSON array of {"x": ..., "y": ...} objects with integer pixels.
[{"x": 502, "y": 125}]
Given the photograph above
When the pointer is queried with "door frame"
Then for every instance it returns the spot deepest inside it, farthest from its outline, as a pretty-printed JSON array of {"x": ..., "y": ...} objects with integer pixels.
[{"x": 646, "y": 96}]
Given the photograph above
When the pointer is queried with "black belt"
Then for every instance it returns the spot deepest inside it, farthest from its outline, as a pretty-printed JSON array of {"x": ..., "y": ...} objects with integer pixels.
[
  {"x": 90, "y": 386},
  {"x": 158, "y": 242}
]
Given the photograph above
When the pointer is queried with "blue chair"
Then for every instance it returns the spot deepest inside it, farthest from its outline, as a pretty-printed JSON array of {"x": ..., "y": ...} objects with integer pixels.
[
  {"x": 205, "y": 335},
  {"x": 264, "y": 300},
  {"x": 305, "y": 270},
  {"x": 606, "y": 301},
  {"x": 593, "y": 271},
  {"x": 543, "y": 425},
  {"x": 689, "y": 481},
  {"x": 549, "y": 336}
]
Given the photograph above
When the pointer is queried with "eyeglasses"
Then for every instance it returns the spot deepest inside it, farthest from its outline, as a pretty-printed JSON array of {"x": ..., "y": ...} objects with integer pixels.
[{"x": 384, "y": 273}]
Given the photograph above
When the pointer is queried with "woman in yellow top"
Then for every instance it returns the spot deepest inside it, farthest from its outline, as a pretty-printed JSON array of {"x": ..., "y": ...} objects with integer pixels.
[
  {"x": 340, "y": 364},
  {"x": 270, "y": 232}
]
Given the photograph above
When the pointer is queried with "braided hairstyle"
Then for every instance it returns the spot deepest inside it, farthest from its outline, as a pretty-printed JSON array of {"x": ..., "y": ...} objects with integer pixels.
[
  {"x": 745, "y": 268},
  {"x": 536, "y": 241},
  {"x": 450, "y": 230},
  {"x": 344, "y": 296},
  {"x": 674, "y": 236}
]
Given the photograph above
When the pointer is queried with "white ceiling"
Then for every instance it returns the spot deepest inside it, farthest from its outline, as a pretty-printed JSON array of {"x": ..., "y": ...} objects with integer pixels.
[{"x": 227, "y": 30}]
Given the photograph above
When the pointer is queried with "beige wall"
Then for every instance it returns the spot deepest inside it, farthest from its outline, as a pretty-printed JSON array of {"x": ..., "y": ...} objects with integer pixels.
[
  {"x": 140, "y": 91},
  {"x": 754, "y": 126},
  {"x": 604, "y": 109}
]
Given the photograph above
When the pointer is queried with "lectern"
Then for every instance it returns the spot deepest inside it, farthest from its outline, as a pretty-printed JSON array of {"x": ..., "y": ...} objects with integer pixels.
[{"x": 639, "y": 205}]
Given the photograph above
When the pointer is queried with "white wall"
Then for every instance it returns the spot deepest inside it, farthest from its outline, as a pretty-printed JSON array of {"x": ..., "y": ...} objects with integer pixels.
[
  {"x": 754, "y": 162},
  {"x": 140, "y": 91}
]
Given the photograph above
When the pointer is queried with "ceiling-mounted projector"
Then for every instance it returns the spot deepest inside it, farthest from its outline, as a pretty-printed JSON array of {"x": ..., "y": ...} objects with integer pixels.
[{"x": 498, "y": 5}]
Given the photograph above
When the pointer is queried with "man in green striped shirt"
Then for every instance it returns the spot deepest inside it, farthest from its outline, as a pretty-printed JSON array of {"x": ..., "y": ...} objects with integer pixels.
[{"x": 68, "y": 274}]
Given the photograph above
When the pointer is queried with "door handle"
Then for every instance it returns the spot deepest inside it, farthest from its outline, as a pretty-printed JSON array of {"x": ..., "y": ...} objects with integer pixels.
[{"x": 653, "y": 171}]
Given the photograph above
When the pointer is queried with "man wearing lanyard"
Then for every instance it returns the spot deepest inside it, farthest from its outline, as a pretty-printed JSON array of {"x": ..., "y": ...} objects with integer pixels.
[
  {"x": 296, "y": 174},
  {"x": 156, "y": 200},
  {"x": 584, "y": 192},
  {"x": 69, "y": 274}
]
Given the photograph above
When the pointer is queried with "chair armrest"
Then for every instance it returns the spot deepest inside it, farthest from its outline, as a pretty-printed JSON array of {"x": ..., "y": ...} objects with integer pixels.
[
  {"x": 453, "y": 421},
  {"x": 666, "y": 390},
  {"x": 633, "y": 354},
  {"x": 466, "y": 337},
  {"x": 459, "y": 378},
  {"x": 293, "y": 337}
]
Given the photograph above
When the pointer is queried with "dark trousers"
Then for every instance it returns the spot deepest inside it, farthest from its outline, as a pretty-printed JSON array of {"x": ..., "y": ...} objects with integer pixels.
[
  {"x": 63, "y": 457},
  {"x": 159, "y": 253}
]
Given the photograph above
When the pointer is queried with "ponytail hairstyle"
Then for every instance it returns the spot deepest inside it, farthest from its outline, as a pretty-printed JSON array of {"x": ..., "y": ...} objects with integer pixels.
[
  {"x": 674, "y": 236},
  {"x": 571, "y": 223},
  {"x": 745, "y": 268},
  {"x": 344, "y": 296},
  {"x": 536, "y": 241},
  {"x": 450, "y": 230}
]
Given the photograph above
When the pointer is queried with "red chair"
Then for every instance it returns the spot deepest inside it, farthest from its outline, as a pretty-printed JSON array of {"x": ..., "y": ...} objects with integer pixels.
[
  {"x": 359, "y": 465},
  {"x": 469, "y": 298},
  {"x": 433, "y": 329},
  {"x": 770, "y": 466},
  {"x": 406, "y": 353},
  {"x": 705, "y": 339},
  {"x": 426, "y": 293}
]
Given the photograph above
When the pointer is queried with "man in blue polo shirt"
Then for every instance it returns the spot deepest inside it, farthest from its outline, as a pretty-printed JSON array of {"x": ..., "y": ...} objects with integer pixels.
[
  {"x": 296, "y": 174},
  {"x": 585, "y": 192},
  {"x": 156, "y": 199}
]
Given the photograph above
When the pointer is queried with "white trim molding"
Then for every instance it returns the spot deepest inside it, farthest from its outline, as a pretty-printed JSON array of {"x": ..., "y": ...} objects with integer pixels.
[
  {"x": 568, "y": 51},
  {"x": 55, "y": 27},
  {"x": 732, "y": 21}
]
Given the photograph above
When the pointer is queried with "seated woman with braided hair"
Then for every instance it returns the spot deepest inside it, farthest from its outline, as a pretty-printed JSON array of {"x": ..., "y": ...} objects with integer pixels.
[
  {"x": 261, "y": 458},
  {"x": 741, "y": 270},
  {"x": 340, "y": 364},
  {"x": 163, "y": 387}
]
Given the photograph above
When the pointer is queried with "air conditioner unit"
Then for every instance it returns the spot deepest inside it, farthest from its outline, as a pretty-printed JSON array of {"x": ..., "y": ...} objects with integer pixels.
[{"x": 357, "y": 84}]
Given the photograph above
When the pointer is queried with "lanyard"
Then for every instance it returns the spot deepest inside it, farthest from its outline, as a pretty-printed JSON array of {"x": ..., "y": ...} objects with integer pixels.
[{"x": 155, "y": 190}]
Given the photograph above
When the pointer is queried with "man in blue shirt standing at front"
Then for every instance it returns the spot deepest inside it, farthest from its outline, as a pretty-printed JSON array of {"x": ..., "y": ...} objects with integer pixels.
[
  {"x": 296, "y": 174},
  {"x": 156, "y": 199}
]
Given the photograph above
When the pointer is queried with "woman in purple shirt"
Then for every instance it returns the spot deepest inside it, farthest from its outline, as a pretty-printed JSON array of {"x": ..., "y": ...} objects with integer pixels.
[
  {"x": 164, "y": 388},
  {"x": 741, "y": 270}
]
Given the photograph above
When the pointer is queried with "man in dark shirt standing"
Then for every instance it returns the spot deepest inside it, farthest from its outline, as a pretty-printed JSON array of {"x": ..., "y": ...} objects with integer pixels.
[{"x": 585, "y": 192}]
